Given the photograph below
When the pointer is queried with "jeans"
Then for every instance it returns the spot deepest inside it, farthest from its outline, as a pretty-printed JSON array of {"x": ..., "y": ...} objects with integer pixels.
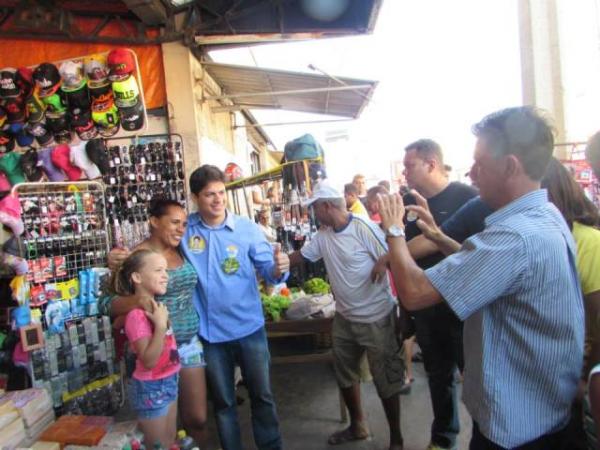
[
  {"x": 551, "y": 441},
  {"x": 439, "y": 334},
  {"x": 251, "y": 353}
]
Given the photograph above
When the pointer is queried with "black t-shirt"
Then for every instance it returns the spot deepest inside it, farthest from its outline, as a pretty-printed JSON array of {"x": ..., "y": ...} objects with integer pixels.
[{"x": 442, "y": 206}]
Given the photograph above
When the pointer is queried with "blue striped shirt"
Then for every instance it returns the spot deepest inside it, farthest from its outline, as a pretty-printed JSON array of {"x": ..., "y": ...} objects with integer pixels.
[{"x": 515, "y": 284}]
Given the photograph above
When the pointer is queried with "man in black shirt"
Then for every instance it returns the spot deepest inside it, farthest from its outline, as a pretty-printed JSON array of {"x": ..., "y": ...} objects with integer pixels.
[{"x": 439, "y": 331}]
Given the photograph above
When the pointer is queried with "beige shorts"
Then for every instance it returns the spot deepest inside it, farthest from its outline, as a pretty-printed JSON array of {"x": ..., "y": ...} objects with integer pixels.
[{"x": 351, "y": 340}]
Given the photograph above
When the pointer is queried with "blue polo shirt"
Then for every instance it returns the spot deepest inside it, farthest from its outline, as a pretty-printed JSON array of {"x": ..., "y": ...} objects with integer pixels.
[{"x": 226, "y": 258}]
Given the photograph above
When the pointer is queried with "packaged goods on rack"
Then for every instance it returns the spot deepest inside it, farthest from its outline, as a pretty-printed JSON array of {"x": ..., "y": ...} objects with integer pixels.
[{"x": 140, "y": 170}]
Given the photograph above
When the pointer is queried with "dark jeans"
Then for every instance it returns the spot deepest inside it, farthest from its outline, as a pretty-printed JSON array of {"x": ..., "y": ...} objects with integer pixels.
[
  {"x": 439, "y": 334},
  {"x": 251, "y": 353},
  {"x": 553, "y": 441}
]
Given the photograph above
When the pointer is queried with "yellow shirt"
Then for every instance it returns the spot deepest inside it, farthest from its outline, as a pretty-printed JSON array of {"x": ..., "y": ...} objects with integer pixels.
[
  {"x": 359, "y": 209},
  {"x": 588, "y": 256}
]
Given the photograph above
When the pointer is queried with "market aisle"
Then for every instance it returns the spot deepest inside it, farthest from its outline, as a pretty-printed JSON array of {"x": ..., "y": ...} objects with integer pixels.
[{"x": 308, "y": 406}]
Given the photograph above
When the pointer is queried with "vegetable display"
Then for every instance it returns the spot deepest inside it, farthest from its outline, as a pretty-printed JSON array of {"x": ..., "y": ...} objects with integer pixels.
[
  {"x": 274, "y": 305},
  {"x": 316, "y": 286}
]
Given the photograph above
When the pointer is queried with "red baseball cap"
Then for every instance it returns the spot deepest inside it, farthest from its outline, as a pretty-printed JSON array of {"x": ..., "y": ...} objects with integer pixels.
[
  {"x": 61, "y": 158},
  {"x": 121, "y": 63}
]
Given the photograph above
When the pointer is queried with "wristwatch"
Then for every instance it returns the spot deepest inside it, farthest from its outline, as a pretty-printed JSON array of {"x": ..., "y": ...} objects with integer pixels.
[{"x": 395, "y": 231}]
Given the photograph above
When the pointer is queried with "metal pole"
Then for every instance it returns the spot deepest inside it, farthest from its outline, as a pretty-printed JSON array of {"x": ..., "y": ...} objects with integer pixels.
[
  {"x": 276, "y": 124},
  {"x": 290, "y": 92}
]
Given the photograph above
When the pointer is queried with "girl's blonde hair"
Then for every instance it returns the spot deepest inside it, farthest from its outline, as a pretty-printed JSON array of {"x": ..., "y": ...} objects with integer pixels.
[{"x": 121, "y": 282}]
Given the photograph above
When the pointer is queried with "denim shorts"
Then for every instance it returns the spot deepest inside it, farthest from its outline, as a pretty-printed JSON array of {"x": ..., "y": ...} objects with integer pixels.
[
  {"x": 151, "y": 398},
  {"x": 191, "y": 354}
]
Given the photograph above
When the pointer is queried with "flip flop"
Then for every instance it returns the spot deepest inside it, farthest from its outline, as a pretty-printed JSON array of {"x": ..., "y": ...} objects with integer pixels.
[{"x": 346, "y": 435}]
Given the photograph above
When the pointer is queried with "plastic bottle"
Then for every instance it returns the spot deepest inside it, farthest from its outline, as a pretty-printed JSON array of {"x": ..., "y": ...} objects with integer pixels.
[{"x": 184, "y": 441}]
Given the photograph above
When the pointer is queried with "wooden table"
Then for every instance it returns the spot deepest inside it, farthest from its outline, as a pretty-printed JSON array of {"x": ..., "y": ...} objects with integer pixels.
[{"x": 285, "y": 328}]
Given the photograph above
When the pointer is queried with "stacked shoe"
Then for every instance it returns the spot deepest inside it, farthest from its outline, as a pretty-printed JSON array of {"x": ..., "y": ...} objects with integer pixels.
[
  {"x": 75, "y": 89},
  {"x": 104, "y": 111}
]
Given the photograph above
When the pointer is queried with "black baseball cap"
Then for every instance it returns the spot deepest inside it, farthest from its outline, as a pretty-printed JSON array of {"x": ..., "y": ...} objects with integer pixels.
[
  {"x": 132, "y": 118},
  {"x": 97, "y": 153}
]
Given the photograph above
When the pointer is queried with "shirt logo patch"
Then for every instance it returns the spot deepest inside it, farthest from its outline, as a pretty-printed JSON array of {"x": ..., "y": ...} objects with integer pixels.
[
  {"x": 231, "y": 264},
  {"x": 196, "y": 244}
]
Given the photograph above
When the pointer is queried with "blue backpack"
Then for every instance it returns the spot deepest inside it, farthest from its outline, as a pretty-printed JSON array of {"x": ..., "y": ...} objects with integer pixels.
[{"x": 304, "y": 147}]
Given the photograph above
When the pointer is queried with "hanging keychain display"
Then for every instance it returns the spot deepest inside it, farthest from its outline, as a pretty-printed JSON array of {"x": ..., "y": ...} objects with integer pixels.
[{"x": 141, "y": 169}]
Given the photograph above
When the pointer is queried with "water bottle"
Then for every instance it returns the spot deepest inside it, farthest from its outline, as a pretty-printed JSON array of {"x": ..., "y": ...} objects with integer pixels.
[{"x": 184, "y": 441}]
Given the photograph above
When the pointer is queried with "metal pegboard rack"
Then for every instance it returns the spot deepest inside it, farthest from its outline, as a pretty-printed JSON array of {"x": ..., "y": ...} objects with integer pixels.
[
  {"x": 141, "y": 168},
  {"x": 65, "y": 228}
]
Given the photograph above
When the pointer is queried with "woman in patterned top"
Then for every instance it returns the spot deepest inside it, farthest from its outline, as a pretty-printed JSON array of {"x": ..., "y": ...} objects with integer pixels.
[{"x": 168, "y": 221}]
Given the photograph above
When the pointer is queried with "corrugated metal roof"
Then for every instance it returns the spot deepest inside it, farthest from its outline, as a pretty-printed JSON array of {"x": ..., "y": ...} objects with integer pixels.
[{"x": 241, "y": 83}]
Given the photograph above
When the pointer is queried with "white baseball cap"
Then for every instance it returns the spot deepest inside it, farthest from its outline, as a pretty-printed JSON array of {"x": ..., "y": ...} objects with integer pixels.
[{"x": 323, "y": 190}]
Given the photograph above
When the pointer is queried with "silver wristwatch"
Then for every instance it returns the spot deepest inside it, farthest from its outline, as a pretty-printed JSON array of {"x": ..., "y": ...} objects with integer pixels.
[{"x": 395, "y": 231}]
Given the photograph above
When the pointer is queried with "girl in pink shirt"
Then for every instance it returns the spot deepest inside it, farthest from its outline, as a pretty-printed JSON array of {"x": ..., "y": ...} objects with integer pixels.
[{"x": 153, "y": 386}]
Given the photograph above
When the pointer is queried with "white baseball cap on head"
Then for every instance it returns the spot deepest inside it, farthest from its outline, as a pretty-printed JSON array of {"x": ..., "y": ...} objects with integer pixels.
[{"x": 323, "y": 190}]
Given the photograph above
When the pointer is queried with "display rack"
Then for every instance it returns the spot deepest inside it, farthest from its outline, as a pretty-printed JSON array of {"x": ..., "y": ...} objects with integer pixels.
[
  {"x": 65, "y": 231},
  {"x": 141, "y": 168}
]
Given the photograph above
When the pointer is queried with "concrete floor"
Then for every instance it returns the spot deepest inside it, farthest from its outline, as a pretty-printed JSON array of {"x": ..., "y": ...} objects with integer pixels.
[{"x": 308, "y": 406}]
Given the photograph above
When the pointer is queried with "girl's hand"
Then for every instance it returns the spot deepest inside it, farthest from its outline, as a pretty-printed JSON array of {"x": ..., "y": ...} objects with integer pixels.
[{"x": 159, "y": 316}]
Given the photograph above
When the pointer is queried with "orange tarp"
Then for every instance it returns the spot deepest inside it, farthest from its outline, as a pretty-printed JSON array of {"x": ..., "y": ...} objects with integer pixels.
[{"x": 18, "y": 53}]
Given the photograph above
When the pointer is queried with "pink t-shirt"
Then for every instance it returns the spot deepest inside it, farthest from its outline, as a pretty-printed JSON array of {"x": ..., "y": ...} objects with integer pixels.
[{"x": 138, "y": 326}]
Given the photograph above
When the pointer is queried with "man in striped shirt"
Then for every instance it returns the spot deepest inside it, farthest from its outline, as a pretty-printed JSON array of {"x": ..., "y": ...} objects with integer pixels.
[{"x": 514, "y": 284}]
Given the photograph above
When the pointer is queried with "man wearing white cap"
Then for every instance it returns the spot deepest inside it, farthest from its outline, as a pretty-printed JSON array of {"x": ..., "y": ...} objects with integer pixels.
[{"x": 365, "y": 314}]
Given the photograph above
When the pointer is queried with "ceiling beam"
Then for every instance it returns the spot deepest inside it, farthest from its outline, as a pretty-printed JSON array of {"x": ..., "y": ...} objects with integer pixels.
[{"x": 289, "y": 92}]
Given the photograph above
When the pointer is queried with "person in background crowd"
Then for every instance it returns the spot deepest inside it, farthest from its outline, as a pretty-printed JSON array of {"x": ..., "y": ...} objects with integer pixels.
[
  {"x": 365, "y": 311},
  {"x": 168, "y": 221},
  {"x": 264, "y": 219},
  {"x": 354, "y": 205},
  {"x": 510, "y": 280},
  {"x": 592, "y": 154},
  {"x": 385, "y": 184},
  {"x": 228, "y": 302},
  {"x": 438, "y": 330},
  {"x": 583, "y": 219},
  {"x": 373, "y": 208},
  {"x": 361, "y": 184},
  {"x": 259, "y": 200}
]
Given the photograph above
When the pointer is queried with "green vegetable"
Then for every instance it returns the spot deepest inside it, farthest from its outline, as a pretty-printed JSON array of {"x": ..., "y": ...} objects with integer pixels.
[
  {"x": 316, "y": 286},
  {"x": 274, "y": 305}
]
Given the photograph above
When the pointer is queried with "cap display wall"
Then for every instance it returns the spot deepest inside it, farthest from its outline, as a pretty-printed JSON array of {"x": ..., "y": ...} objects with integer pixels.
[{"x": 80, "y": 98}]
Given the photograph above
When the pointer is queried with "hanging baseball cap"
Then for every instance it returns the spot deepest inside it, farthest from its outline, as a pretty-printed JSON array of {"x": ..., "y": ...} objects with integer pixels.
[
  {"x": 72, "y": 74},
  {"x": 83, "y": 125},
  {"x": 52, "y": 172},
  {"x": 8, "y": 85},
  {"x": 4, "y": 184},
  {"x": 126, "y": 92},
  {"x": 3, "y": 116},
  {"x": 80, "y": 158},
  {"x": 47, "y": 78},
  {"x": 34, "y": 106},
  {"x": 7, "y": 142},
  {"x": 97, "y": 153},
  {"x": 24, "y": 80},
  {"x": 56, "y": 103},
  {"x": 121, "y": 62},
  {"x": 30, "y": 165},
  {"x": 24, "y": 139},
  {"x": 40, "y": 132},
  {"x": 101, "y": 97},
  {"x": 59, "y": 126},
  {"x": 107, "y": 121},
  {"x": 132, "y": 119},
  {"x": 10, "y": 164},
  {"x": 15, "y": 110},
  {"x": 77, "y": 99},
  {"x": 61, "y": 158},
  {"x": 95, "y": 69}
]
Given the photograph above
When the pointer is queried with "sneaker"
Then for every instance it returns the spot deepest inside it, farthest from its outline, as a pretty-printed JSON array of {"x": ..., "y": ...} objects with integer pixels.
[{"x": 437, "y": 447}]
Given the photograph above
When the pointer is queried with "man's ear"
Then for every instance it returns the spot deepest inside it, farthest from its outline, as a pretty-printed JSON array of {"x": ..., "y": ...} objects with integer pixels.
[
  {"x": 153, "y": 221},
  {"x": 512, "y": 166}
]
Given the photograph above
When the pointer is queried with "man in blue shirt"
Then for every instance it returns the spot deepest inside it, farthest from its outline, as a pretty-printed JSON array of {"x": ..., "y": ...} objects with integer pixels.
[
  {"x": 226, "y": 251},
  {"x": 514, "y": 284}
]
